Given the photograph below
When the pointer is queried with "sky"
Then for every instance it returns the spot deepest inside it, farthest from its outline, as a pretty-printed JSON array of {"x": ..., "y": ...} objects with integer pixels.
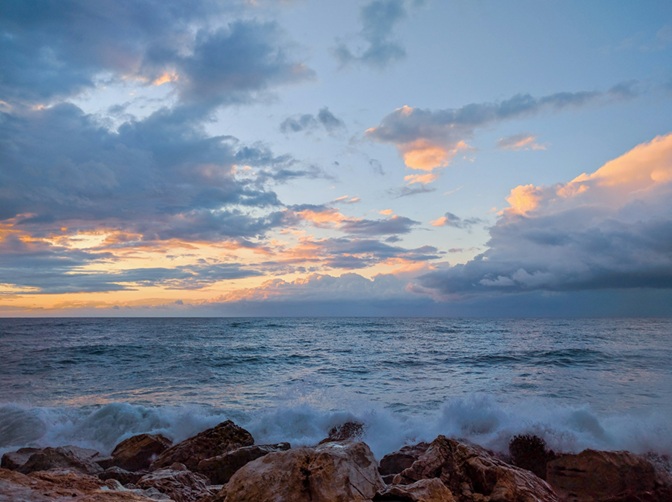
[{"x": 303, "y": 158}]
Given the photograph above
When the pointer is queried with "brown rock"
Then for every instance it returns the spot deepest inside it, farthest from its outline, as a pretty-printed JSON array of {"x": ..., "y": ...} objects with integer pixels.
[
  {"x": 349, "y": 431},
  {"x": 604, "y": 475},
  {"x": 139, "y": 451},
  {"x": 330, "y": 472},
  {"x": 529, "y": 452},
  {"x": 471, "y": 473},
  {"x": 425, "y": 490},
  {"x": 180, "y": 484},
  {"x": 15, "y": 459},
  {"x": 219, "y": 469},
  {"x": 60, "y": 485},
  {"x": 220, "y": 439},
  {"x": 71, "y": 457},
  {"x": 394, "y": 463},
  {"x": 122, "y": 475}
]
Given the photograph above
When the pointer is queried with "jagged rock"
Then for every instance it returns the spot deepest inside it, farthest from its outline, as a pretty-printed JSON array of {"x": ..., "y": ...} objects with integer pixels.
[
  {"x": 607, "y": 475},
  {"x": 331, "y": 472},
  {"x": 48, "y": 486},
  {"x": 471, "y": 473},
  {"x": 529, "y": 452},
  {"x": 394, "y": 463},
  {"x": 180, "y": 484},
  {"x": 72, "y": 457},
  {"x": 349, "y": 431},
  {"x": 122, "y": 475},
  {"x": 139, "y": 451},
  {"x": 222, "y": 438},
  {"x": 425, "y": 490},
  {"x": 16, "y": 459},
  {"x": 219, "y": 469}
]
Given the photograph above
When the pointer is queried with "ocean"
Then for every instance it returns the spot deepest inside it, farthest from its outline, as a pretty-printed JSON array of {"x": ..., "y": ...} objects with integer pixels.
[{"x": 601, "y": 383}]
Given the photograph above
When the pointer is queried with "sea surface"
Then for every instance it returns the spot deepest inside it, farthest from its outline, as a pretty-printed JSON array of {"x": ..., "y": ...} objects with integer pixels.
[{"x": 602, "y": 383}]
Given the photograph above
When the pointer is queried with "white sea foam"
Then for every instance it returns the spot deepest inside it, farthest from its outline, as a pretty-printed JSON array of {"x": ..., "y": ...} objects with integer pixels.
[{"x": 481, "y": 419}]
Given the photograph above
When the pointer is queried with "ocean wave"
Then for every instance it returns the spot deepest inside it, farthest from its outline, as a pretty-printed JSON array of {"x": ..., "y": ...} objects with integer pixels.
[{"x": 481, "y": 419}]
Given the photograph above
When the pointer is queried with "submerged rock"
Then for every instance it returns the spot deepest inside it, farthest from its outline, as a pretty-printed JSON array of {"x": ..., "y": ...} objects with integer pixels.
[
  {"x": 219, "y": 469},
  {"x": 349, "y": 431},
  {"x": 331, "y": 472},
  {"x": 471, "y": 473},
  {"x": 607, "y": 475},
  {"x": 139, "y": 451},
  {"x": 218, "y": 440}
]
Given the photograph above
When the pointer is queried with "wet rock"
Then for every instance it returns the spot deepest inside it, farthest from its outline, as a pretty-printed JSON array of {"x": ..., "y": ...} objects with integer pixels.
[
  {"x": 122, "y": 475},
  {"x": 529, "y": 452},
  {"x": 180, "y": 484},
  {"x": 471, "y": 473},
  {"x": 44, "y": 486},
  {"x": 16, "y": 459},
  {"x": 221, "y": 439},
  {"x": 349, "y": 431},
  {"x": 219, "y": 469},
  {"x": 331, "y": 472},
  {"x": 72, "y": 457},
  {"x": 394, "y": 463},
  {"x": 606, "y": 475},
  {"x": 425, "y": 490},
  {"x": 138, "y": 452}
]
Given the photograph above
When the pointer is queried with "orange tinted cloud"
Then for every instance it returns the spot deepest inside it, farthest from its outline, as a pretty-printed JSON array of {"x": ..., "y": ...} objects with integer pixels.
[{"x": 523, "y": 199}]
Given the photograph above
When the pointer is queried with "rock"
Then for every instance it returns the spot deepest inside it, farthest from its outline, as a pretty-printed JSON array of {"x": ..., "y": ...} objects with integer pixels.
[
  {"x": 219, "y": 469},
  {"x": 180, "y": 484},
  {"x": 394, "y": 463},
  {"x": 349, "y": 431},
  {"x": 471, "y": 473},
  {"x": 220, "y": 439},
  {"x": 47, "y": 486},
  {"x": 15, "y": 459},
  {"x": 529, "y": 452},
  {"x": 139, "y": 451},
  {"x": 331, "y": 472},
  {"x": 73, "y": 457},
  {"x": 122, "y": 475},
  {"x": 425, "y": 490},
  {"x": 606, "y": 475}
]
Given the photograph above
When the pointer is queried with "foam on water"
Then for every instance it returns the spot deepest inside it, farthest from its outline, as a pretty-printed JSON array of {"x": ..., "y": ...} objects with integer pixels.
[{"x": 480, "y": 419}]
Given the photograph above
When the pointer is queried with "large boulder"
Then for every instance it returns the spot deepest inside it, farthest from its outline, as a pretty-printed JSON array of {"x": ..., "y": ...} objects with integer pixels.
[
  {"x": 219, "y": 469},
  {"x": 14, "y": 460},
  {"x": 425, "y": 490},
  {"x": 70, "y": 457},
  {"x": 331, "y": 472},
  {"x": 48, "y": 486},
  {"x": 180, "y": 484},
  {"x": 471, "y": 473},
  {"x": 607, "y": 475},
  {"x": 393, "y": 463},
  {"x": 220, "y": 439},
  {"x": 138, "y": 452}
]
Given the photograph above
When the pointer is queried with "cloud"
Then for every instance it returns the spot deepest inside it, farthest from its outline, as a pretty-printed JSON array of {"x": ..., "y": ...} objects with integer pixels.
[
  {"x": 389, "y": 226},
  {"x": 379, "y": 18},
  {"x": 607, "y": 230},
  {"x": 522, "y": 141},
  {"x": 328, "y": 217},
  {"x": 428, "y": 140},
  {"x": 308, "y": 122},
  {"x": 452, "y": 220},
  {"x": 151, "y": 42}
]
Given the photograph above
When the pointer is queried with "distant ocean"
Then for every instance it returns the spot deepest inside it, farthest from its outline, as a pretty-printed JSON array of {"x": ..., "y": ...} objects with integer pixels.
[{"x": 604, "y": 383}]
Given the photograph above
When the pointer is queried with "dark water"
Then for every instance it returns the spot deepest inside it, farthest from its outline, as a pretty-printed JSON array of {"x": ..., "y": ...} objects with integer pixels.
[{"x": 600, "y": 383}]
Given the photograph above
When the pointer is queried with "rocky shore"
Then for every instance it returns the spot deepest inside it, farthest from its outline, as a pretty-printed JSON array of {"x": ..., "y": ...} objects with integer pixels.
[{"x": 223, "y": 464}]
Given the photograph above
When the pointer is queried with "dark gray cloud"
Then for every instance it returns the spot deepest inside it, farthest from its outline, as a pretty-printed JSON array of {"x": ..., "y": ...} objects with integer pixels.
[
  {"x": 389, "y": 226},
  {"x": 162, "y": 176},
  {"x": 452, "y": 220},
  {"x": 407, "y": 191},
  {"x": 55, "y": 49},
  {"x": 379, "y": 18},
  {"x": 450, "y": 126},
  {"x": 308, "y": 122}
]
